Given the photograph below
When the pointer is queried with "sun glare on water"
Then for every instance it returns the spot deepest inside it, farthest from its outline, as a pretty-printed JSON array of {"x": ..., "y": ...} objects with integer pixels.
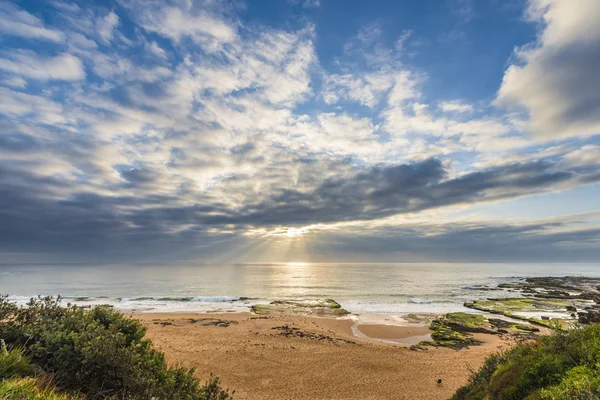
[{"x": 296, "y": 264}]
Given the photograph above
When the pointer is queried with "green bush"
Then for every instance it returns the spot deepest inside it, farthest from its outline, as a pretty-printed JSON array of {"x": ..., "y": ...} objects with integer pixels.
[
  {"x": 99, "y": 352},
  {"x": 565, "y": 365}
]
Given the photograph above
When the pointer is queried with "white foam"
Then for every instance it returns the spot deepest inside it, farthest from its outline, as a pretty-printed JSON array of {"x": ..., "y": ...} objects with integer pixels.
[{"x": 373, "y": 307}]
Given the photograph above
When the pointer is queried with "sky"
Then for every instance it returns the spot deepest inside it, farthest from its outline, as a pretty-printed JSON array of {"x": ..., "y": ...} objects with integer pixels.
[{"x": 300, "y": 131}]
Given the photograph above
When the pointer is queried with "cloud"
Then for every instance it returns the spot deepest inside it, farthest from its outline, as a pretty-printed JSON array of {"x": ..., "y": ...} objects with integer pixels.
[
  {"x": 17, "y": 22},
  {"x": 550, "y": 240},
  {"x": 586, "y": 155},
  {"x": 65, "y": 66},
  {"x": 190, "y": 126},
  {"x": 209, "y": 30},
  {"x": 455, "y": 106},
  {"x": 554, "y": 79},
  {"x": 16, "y": 104},
  {"x": 367, "y": 89},
  {"x": 106, "y": 26}
]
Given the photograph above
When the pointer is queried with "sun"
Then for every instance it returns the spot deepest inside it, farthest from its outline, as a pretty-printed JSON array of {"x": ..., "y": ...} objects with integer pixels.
[{"x": 295, "y": 232}]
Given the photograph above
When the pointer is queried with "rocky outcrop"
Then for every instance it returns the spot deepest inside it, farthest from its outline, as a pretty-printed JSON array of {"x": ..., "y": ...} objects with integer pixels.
[{"x": 318, "y": 307}]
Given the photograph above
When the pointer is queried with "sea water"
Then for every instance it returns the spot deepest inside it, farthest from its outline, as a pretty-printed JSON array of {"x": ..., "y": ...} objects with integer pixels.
[{"x": 363, "y": 288}]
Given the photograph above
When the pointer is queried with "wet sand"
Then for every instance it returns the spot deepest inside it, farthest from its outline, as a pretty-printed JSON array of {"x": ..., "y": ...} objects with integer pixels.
[{"x": 263, "y": 357}]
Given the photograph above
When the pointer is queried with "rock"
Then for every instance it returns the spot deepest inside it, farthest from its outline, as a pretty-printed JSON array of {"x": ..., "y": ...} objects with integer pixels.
[
  {"x": 320, "y": 307},
  {"x": 511, "y": 327},
  {"x": 572, "y": 308},
  {"x": 590, "y": 317}
]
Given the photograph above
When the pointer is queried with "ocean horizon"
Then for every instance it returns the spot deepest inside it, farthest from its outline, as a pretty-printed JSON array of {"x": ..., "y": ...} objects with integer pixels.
[{"x": 361, "y": 288}]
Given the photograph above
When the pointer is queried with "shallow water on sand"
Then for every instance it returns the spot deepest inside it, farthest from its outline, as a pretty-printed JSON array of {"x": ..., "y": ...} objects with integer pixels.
[{"x": 360, "y": 287}]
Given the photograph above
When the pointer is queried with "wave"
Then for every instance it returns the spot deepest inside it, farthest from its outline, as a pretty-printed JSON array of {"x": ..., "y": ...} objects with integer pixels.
[{"x": 420, "y": 301}]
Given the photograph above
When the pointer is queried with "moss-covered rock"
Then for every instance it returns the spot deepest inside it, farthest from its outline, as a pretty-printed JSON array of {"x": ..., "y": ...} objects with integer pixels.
[
  {"x": 511, "y": 307},
  {"x": 455, "y": 330},
  {"x": 319, "y": 307}
]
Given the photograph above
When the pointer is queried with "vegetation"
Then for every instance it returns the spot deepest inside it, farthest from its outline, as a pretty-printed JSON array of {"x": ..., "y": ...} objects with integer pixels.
[
  {"x": 95, "y": 353},
  {"x": 565, "y": 366}
]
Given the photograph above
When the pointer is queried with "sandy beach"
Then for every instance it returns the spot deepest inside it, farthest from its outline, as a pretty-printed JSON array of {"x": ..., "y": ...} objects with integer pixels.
[{"x": 296, "y": 357}]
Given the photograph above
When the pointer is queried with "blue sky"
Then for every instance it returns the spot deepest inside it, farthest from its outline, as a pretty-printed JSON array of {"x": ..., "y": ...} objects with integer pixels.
[{"x": 300, "y": 130}]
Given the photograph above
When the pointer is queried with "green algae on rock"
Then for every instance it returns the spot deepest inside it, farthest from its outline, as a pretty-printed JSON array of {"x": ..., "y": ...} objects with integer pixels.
[
  {"x": 317, "y": 307},
  {"x": 570, "y": 298},
  {"x": 510, "y": 307},
  {"x": 454, "y": 330}
]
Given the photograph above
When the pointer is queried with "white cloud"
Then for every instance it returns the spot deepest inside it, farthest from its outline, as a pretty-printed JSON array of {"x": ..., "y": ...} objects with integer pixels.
[
  {"x": 405, "y": 88},
  {"x": 455, "y": 106},
  {"x": 586, "y": 155},
  {"x": 106, "y": 26},
  {"x": 367, "y": 88},
  {"x": 14, "y": 81},
  {"x": 17, "y": 22},
  {"x": 65, "y": 66},
  {"x": 555, "y": 79},
  {"x": 176, "y": 23},
  {"x": 154, "y": 48},
  {"x": 17, "y": 104}
]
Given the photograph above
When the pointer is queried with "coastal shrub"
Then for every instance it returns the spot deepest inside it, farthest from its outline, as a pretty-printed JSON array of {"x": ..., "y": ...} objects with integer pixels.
[
  {"x": 565, "y": 365},
  {"x": 99, "y": 352}
]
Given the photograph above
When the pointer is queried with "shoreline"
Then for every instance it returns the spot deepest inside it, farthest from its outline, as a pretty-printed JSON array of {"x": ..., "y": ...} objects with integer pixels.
[{"x": 284, "y": 356}]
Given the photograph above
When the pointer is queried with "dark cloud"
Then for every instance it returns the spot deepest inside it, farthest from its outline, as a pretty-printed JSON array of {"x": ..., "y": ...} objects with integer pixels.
[
  {"x": 459, "y": 242},
  {"x": 31, "y": 216},
  {"x": 385, "y": 191}
]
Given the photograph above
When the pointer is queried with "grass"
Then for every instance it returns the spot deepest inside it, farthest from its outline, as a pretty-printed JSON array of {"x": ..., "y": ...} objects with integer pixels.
[
  {"x": 21, "y": 379},
  {"x": 14, "y": 362},
  {"x": 30, "y": 388}
]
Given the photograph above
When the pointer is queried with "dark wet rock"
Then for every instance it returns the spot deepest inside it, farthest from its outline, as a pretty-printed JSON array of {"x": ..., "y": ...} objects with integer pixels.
[
  {"x": 509, "y": 286},
  {"x": 163, "y": 323},
  {"x": 212, "y": 322},
  {"x": 572, "y": 308},
  {"x": 589, "y": 317},
  {"x": 511, "y": 327},
  {"x": 482, "y": 288}
]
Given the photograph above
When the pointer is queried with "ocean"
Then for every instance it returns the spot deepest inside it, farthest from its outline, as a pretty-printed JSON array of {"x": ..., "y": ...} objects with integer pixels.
[{"x": 362, "y": 288}]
